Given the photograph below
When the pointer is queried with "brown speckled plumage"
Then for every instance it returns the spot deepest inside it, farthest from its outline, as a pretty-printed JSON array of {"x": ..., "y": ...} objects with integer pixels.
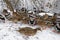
[{"x": 28, "y": 31}]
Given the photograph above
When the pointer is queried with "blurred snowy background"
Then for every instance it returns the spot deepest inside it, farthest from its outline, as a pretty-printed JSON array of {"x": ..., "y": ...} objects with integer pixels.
[
  {"x": 8, "y": 29},
  {"x": 46, "y": 5}
]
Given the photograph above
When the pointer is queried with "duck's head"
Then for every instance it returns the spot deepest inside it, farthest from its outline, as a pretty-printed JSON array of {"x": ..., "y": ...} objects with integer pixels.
[{"x": 38, "y": 29}]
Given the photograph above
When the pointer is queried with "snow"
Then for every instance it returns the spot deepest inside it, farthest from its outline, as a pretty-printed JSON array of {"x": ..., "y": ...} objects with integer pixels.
[
  {"x": 41, "y": 14},
  {"x": 8, "y": 32},
  {"x": 29, "y": 11},
  {"x": 50, "y": 14}
]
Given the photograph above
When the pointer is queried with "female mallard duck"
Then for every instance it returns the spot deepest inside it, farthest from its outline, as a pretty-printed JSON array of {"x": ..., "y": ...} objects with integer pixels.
[{"x": 28, "y": 31}]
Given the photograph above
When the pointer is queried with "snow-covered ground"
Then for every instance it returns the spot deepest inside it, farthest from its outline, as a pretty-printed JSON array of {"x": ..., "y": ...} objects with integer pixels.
[
  {"x": 8, "y": 29},
  {"x": 8, "y": 32}
]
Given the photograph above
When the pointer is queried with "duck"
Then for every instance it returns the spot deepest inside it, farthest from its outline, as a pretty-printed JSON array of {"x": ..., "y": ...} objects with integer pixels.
[
  {"x": 28, "y": 31},
  {"x": 58, "y": 27},
  {"x": 15, "y": 17},
  {"x": 1, "y": 17}
]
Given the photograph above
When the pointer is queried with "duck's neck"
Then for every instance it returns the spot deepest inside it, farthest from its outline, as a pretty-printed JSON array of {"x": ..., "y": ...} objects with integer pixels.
[{"x": 38, "y": 29}]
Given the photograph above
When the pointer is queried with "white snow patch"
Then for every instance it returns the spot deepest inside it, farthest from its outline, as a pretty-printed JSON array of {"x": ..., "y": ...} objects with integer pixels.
[
  {"x": 50, "y": 14},
  {"x": 8, "y": 32},
  {"x": 41, "y": 14}
]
